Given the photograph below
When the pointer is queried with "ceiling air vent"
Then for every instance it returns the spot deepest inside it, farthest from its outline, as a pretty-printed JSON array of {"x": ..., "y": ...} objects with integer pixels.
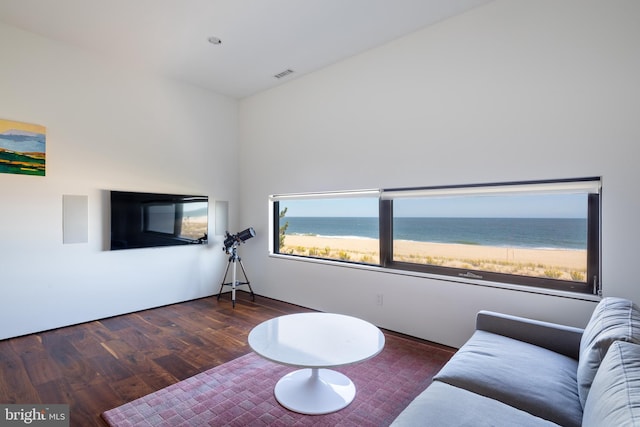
[{"x": 283, "y": 74}]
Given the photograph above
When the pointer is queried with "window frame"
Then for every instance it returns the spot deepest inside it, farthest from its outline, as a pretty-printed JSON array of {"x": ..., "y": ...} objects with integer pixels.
[{"x": 591, "y": 286}]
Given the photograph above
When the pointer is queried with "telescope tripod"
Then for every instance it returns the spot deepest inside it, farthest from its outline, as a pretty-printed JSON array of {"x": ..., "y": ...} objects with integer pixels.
[{"x": 234, "y": 258}]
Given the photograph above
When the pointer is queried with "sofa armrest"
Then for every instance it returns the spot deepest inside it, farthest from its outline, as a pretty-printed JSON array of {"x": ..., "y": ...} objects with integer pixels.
[{"x": 552, "y": 336}]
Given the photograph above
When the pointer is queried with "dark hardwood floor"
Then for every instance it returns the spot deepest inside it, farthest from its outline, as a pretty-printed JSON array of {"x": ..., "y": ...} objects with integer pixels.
[{"x": 97, "y": 366}]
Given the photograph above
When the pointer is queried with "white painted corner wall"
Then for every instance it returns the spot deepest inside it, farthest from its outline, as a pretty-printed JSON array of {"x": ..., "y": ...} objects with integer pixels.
[
  {"x": 108, "y": 127},
  {"x": 510, "y": 91},
  {"x": 514, "y": 90}
]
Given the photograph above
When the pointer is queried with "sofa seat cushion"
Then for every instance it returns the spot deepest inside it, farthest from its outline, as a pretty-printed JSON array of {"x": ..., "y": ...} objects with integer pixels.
[
  {"x": 614, "y": 399},
  {"x": 524, "y": 376},
  {"x": 445, "y": 405},
  {"x": 614, "y": 319}
]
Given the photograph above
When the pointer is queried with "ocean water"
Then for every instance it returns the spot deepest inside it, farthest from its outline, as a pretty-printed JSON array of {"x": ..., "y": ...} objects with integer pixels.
[{"x": 548, "y": 233}]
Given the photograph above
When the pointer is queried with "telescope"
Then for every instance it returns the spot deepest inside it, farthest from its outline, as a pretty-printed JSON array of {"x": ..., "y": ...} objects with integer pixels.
[{"x": 232, "y": 240}]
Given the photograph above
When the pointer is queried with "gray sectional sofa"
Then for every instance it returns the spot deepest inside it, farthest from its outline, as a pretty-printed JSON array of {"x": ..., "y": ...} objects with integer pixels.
[{"x": 521, "y": 372}]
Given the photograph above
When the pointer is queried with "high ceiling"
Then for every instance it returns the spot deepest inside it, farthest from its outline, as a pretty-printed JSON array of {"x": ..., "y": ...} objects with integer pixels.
[{"x": 260, "y": 38}]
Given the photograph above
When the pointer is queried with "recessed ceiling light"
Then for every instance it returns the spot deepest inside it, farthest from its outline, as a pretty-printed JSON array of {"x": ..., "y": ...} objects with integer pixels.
[{"x": 214, "y": 40}]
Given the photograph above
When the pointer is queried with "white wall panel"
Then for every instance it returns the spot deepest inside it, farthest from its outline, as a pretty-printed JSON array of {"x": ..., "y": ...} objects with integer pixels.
[
  {"x": 108, "y": 127},
  {"x": 511, "y": 91}
]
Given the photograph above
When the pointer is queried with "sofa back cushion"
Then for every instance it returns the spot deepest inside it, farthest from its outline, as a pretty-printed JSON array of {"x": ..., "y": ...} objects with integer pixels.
[
  {"x": 524, "y": 376},
  {"x": 614, "y": 398},
  {"x": 614, "y": 319}
]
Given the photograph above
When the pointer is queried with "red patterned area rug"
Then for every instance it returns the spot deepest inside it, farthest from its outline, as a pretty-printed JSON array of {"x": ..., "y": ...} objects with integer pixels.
[{"x": 240, "y": 392}]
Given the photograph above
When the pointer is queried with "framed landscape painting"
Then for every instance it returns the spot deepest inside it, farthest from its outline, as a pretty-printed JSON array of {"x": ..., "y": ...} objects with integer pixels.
[{"x": 22, "y": 148}]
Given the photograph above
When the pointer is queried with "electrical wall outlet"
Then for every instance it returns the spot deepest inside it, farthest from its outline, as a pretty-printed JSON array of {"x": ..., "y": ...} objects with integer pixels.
[{"x": 379, "y": 299}]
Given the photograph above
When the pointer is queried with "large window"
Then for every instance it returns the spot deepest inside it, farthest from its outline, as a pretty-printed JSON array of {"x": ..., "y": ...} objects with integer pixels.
[
  {"x": 543, "y": 233},
  {"x": 343, "y": 226}
]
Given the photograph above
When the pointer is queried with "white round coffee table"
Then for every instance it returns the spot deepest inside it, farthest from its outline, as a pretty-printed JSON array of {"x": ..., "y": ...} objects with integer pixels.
[{"x": 315, "y": 342}]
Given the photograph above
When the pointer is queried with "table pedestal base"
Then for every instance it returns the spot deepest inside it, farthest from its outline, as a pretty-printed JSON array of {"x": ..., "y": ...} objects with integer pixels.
[{"x": 315, "y": 391}]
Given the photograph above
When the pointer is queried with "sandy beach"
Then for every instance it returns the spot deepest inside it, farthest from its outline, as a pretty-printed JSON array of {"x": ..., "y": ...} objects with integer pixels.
[{"x": 556, "y": 263}]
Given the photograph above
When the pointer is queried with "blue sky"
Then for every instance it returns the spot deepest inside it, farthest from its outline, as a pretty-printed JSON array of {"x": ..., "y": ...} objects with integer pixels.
[
  {"x": 529, "y": 206},
  {"x": 23, "y": 145}
]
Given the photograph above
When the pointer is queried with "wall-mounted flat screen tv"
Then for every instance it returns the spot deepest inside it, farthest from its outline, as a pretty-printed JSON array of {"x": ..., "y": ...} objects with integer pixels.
[{"x": 144, "y": 220}]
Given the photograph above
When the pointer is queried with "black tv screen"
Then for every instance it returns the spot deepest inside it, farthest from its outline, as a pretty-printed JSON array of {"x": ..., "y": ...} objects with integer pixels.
[{"x": 144, "y": 220}]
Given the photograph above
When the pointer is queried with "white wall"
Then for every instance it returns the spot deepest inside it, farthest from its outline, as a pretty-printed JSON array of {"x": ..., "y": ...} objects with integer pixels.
[
  {"x": 108, "y": 127},
  {"x": 514, "y": 90}
]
